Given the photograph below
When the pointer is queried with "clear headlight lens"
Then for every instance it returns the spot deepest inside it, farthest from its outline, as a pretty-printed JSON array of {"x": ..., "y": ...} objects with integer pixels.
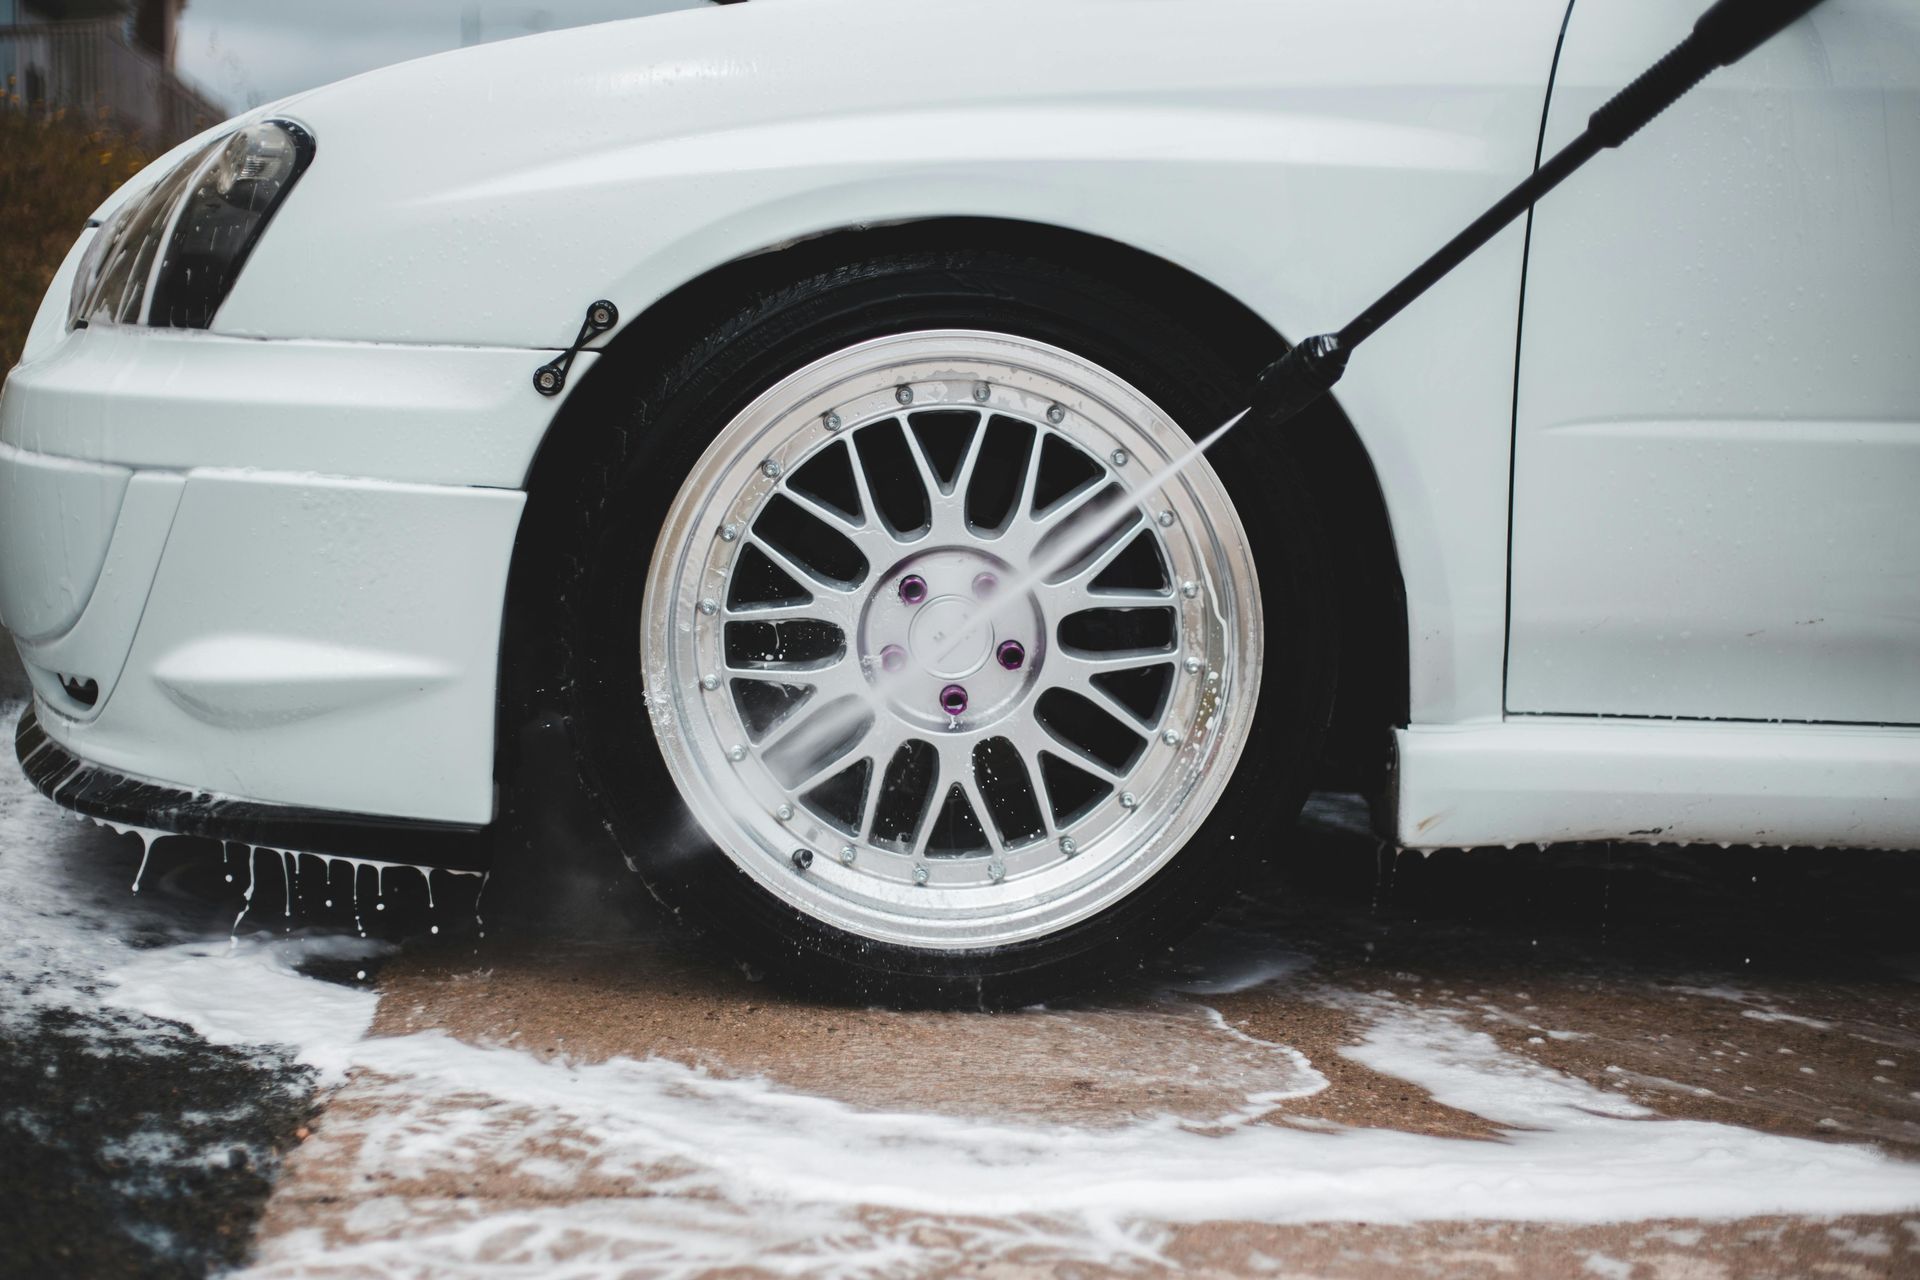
[{"x": 169, "y": 256}]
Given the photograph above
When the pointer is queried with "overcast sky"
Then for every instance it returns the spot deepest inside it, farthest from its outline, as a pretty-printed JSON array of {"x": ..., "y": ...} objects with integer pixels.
[{"x": 251, "y": 51}]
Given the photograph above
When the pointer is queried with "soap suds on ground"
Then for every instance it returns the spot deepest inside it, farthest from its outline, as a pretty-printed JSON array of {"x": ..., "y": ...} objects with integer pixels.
[{"x": 1341, "y": 1079}]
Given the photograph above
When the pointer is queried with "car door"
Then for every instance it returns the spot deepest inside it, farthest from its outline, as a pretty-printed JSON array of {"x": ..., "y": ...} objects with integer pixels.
[{"x": 1716, "y": 500}]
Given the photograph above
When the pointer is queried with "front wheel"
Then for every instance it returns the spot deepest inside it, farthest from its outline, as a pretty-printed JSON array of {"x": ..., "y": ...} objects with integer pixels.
[{"x": 960, "y": 662}]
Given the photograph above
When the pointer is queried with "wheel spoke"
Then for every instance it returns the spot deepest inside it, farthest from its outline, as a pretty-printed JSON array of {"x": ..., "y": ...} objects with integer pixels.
[
  {"x": 810, "y": 610},
  {"x": 1078, "y": 594},
  {"x": 970, "y": 787},
  {"x": 863, "y": 486},
  {"x": 930, "y": 809},
  {"x": 1080, "y": 758},
  {"x": 870, "y": 802},
  {"x": 867, "y": 533},
  {"x": 946, "y": 512},
  {"x": 839, "y": 683},
  {"x": 1062, "y": 513},
  {"x": 1079, "y": 680},
  {"x": 1074, "y": 666},
  {"x": 833, "y": 598},
  {"x": 970, "y": 461},
  {"x": 1112, "y": 540},
  {"x": 807, "y": 739},
  {"x": 1029, "y": 481},
  {"x": 1037, "y": 781},
  {"x": 820, "y": 769}
]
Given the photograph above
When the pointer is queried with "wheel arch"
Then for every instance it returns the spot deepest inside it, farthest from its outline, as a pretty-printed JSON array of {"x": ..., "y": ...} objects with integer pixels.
[{"x": 1372, "y": 599}]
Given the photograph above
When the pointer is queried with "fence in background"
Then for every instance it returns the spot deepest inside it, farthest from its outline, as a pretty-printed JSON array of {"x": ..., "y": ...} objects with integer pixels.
[{"x": 88, "y": 68}]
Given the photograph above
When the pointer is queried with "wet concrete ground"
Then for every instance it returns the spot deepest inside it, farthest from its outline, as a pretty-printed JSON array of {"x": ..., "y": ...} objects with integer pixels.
[
  {"x": 1774, "y": 992},
  {"x": 1764, "y": 991},
  {"x": 129, "y": 1146}
]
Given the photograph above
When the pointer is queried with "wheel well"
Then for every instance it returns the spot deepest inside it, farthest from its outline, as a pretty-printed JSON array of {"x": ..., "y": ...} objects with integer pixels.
[{"x": 1372, "y": 693}]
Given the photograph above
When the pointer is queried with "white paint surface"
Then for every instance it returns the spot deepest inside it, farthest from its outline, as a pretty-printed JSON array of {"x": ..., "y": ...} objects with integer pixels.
[
  {"x": 1717, "y": 455},
  {"x": 307, "y": 640},
  {"x": 1548, "y": 780}
]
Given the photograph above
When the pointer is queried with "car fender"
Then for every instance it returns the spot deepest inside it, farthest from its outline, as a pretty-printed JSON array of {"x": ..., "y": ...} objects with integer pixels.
[{"x": 1298, "y": 156}]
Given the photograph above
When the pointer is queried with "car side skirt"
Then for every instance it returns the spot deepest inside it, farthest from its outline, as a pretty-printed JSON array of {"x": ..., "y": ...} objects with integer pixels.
[
  {"x": 1554, "y": 779},
  {"x": 119, "y": 800}
]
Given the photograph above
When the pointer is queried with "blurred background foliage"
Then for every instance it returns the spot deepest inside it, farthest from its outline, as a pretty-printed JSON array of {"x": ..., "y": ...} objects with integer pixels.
[
  {"x": 54, "y": 170},
  {"x": 77, "y": 10}
]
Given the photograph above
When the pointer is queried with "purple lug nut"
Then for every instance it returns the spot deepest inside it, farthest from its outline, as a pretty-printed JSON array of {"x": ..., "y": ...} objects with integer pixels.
[
  {"x": 953, "y": 699},
  {"x": 893, "y": 658},
  {"x": 1012, "y": 654},
  {"x": 913, "y": 588}
]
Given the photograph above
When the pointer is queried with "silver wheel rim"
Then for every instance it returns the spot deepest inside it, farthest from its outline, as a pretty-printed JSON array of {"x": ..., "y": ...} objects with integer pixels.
[{"x": 802, "y": 691}]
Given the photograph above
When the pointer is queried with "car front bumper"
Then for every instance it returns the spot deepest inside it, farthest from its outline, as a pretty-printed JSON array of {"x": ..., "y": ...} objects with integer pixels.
[{"x": 273, "y": 571}]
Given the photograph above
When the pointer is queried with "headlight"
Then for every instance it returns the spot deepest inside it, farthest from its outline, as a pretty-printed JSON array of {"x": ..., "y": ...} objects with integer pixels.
[{"x": 168, "y": 257}]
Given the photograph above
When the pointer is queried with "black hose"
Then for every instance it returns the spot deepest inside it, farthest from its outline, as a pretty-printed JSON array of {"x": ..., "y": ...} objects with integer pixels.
[{"x": 1725, "y": 33}]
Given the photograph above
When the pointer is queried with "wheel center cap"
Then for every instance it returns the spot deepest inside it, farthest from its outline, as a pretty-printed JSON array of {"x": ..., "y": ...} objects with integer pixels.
[{"x": 949, "y": 639}]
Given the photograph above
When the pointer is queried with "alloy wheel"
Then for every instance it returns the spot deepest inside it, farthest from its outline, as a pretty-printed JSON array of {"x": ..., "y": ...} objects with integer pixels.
[{"x": 936, "y": 652}]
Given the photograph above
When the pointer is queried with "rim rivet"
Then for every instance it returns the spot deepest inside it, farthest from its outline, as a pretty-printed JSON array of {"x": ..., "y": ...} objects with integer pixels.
[
  {"x": 1069, "y": 846},
  {"x": 913, "y": 588},
  {"x": 953, "y": 699},
  {"x": 1189, "y": 589},
  {"x": 893, "y": 658},
  {"x": 1119, "y": 457},
  {"x": 981, "y": 391},
  {"x": 1128, "y": 800},
  {"x": 903, "y": 394},
  {"x": 802, "y": 859},
  {"x": 770, "y": 468},
  {"x": 736, "y": 753},
  {"x": 847, "y": 854},
  {"x": 1171, "y": 738},
  {"x": 784, "y": 813},
  {"x": 985, "y": 584},
  {"x": 729, "y": 533},
  {"x": 1166, "y": 519},
  {"x": 1012, "y": 654},
  {"x": 996, "y": 870},
  {"x": 709, "y": 606},
  {"x": 919, "y": 874},
  {"x": 1192, "y": 665},
  {"x": 833, "y": 422},
  {"x": 1056, "y": 415},
  {"x": 709, "y": 682}
]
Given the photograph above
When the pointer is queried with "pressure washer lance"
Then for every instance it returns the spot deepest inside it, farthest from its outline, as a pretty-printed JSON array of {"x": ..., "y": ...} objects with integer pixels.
[{"x": 1725, "y": 33}]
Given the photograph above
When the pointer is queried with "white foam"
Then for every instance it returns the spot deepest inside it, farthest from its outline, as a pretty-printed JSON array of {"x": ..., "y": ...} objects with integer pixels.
[
  {"x": 714, "y": 1172},
  {"x": 246, "y": 991},
  {"x": 684, "y": 1170},
  {"x": 74, "y": 935}
]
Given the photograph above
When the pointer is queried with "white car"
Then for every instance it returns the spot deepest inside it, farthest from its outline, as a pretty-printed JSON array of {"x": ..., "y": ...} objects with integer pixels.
[{"x": 680, "y": 416}]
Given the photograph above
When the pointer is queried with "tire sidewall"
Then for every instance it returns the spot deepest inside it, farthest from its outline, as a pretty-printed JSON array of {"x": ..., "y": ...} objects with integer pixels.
[{"x": 665, "y": 423}]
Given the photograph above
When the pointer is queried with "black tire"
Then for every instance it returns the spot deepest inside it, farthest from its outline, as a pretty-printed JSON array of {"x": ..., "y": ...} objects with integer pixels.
[{"x": 577, "y": 605}]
